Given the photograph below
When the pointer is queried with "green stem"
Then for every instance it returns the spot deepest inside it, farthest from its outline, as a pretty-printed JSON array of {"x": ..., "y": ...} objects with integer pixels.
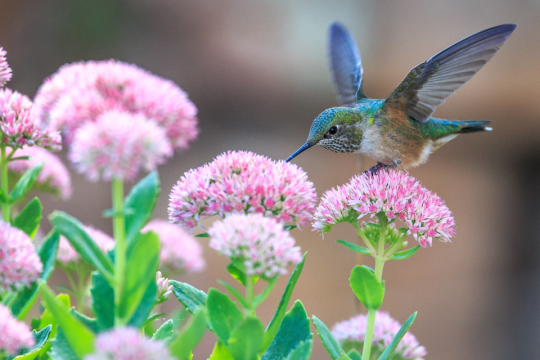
[
  {"x": 5, "y": 185},
  {"x": 363, "y": 236},
  {"x": 120, "y": 248},
  {"x": 249, "y": 295}
]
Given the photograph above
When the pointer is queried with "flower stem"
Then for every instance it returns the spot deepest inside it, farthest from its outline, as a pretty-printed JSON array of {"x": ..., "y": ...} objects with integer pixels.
[
  {"x": 120, "y": 247},
  {"x": 249, "y": 295},
  {"x": 5, "y": 185}
]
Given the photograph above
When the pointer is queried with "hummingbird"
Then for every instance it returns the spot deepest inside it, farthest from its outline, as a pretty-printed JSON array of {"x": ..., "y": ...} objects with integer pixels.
[{"x": 399, "y": 131}]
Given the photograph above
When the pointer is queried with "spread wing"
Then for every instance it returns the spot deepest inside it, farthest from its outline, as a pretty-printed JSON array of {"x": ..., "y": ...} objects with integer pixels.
[
  {"x": 345, "y": 66},
  {"x": 433, "y": 81}
]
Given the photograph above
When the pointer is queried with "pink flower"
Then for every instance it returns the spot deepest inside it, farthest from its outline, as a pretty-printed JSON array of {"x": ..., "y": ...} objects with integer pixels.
[
  {"x": 260, "y": 243},
  {"x": 242, "y": 182},
  {"x": 118, "y": 145},
  {"x": 54, "y": 177},
  {"x": 179, "y": 251},
  {"x": 395, "y": 193},
  {"x": 81, "y": 92},
  {"x": 164, "y": 289},
  {"x": 5, "y": 70},
  {"x": 128, "y": 344},
  {"x": 14, "y": 335},
  {"x": 68, "y": 256},
  {"x": 351, "y": 334},
  {"x": 18, "y": 123},
  {"x": 19, "y": 261}
]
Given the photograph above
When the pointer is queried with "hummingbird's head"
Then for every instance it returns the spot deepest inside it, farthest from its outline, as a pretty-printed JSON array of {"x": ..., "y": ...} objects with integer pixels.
[{"x": 335, "y": 129}]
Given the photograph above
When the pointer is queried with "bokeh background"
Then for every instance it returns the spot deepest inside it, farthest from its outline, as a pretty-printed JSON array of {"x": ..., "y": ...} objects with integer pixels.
[{"x": 257, "y": 71}]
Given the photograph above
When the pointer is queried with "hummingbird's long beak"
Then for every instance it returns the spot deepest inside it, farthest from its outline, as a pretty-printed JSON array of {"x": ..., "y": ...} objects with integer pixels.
[{"x": 302, "y": 149}]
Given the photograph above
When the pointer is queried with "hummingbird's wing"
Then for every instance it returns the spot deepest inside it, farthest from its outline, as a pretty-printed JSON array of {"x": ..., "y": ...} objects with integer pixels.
[
  {"x": 433, "y": 81},
  {"x": 345, "y": 66}
]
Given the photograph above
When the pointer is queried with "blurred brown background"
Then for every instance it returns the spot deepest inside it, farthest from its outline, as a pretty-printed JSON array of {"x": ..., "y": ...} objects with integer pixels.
[{"x": 257, "y": 71}]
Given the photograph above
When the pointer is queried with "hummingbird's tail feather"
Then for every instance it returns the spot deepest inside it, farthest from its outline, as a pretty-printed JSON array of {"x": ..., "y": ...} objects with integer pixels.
[{"x": 472, "y": 126}]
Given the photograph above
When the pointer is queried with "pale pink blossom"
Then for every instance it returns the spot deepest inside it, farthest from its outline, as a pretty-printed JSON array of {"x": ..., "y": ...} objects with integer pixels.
[
  {"x": 242, "y": 182},
  {"x": 18, "y": 123},
  {"x": 118, "y": 145},
  {"x": 54, "y": 176},
  {"x": 14, "y": 334},
  {"x": 351, "y": 335},
  {"x": 68, "y": 256},
  {"x": 179, "y": 250},
  {"x": 128, "y": 344},
  {"x": 164, "y": 289},
  {"x": 260, "y": 244},
  {"x": 397, "y": 195},
  {"x": 81, "y": 92},
  {"x": 19, "y": 262},
  {"x": 5, "y": 70}
]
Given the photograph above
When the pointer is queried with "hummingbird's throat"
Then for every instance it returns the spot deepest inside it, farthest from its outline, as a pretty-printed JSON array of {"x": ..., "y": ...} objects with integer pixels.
[{"x": 339, "y": 145}]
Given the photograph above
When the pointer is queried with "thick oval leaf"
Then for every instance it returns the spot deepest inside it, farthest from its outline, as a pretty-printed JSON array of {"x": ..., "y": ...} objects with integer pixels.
[
  {"x": 164, "y": 332},
  {"x": 354, "y": 247},
  {"x": 29, "y": 217},
  {"x": 25, "y": 182},
  {"x": 148, "y": 301},
  {"x": 354, "y": 355},
  {"x": 302, "y": 351},
  {"x": 90, "y": 323},
  {"x": 102, "y": 301},
  {"x": 329, "y": 342},
  {"x": 223, "y": 314},
  {"x": 40, "y": 338},
  {"x": 366, "y": 287},
  {"x": 189, "y": 296},
  {"x": 141, "y": 200},
  {"x": 246, "y": 339},
  {"x": 237, "y": 295},
  {"x": 220, "y": 353},
  {"x": 389, "y": 351},
  {"x": 275, "y": 323},
  {"x": 239, "y": 275},
  {"x": 401, "y": 255},
  {"x": 189, "y": 337},
  {"x": 61, "y": 349},
  {"x": 203, "y": 235},
  {"x": 294, "y": 330}
]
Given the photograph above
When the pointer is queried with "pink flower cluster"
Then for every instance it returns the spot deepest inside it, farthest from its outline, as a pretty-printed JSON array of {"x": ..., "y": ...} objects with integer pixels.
[
  {"x": 395, "y": 193},
  {"x": 14, "y": 335},
  {"x": 242, "y": 182},
  {"x": 82, "y": 91},
  {"x": 5, "y": 70},
  {"x": 179, "y": 250},
  {"x": 18, "y": 123},
  {"x": 128, "y": 344},
  {"x": 260, "y": 243},
  {"x": 68, "y": 256},
  {"x": 164, "y": 289},
  {"x": 351, "y": 334},
  {"x": 118, "y": 144},
  {"x": 54, "y": 176},
  {"x": 19, "y": 261}
]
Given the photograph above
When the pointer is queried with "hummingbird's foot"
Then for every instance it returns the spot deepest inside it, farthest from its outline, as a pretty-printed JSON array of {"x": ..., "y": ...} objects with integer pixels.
[{"x": 375, "y": 169}]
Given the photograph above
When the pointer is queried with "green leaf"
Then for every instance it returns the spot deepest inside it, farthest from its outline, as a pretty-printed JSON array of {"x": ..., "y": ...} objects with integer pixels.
[
  {"x": 90, "y": 323},
  {"x": 290, "y": 227},
  {"x": 164, "y": 332},
  {"x": 152, "y": 318},
  {"x": 189, "y": 296},
  {"x": 401, "y": 255},
  {"x": 239, "y": 275},
  {"x": 302, "y": 351},
  {"x": 102, "y": 301},
  {"x": 223, "y": 314},
  {"x": 389, "y": 351},
  {"x": 29, "y": 217},
  {"x": 141, "y": 267},
  {"x": 189, "y": 337},
  {"x": 235, "y": 293},
  {"x": 25, "y": 182},
  {"x": 61, "y": 349},
  {"x": 203, "y": 235},
  {"x": 28, "y": 295},
  {"x": 354, "y": 247},
  {"x": 329, "y": 342},
  {"x": 344, "y": 357},
  {"x": 140, "y": 316},
  {"x": 354, "y": 355},
  {"x": 275, "y": 323},
  {"x": 366, "y": 287},
  {"x": 40, "y": 338},
  {"x": 142, "y": 199},
  {"x": 80, "y": 339},
  {"x": 293, "y": 330},
  {"x": 267, "y": 290},
  {"x": 90, "y": 252},
  {"x": 220, "y": 353},
  {"x": 246, "y": 339}
]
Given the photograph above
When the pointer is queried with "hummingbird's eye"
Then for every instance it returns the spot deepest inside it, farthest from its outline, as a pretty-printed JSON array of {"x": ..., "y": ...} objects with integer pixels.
[{"x": 333, "y": 130}]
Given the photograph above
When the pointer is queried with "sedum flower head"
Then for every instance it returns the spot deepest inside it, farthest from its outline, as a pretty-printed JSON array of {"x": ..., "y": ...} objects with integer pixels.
[
  {"x": 5, "y": 70},
  {"x": 14, "y": 335},
  {"x": 68, "y": 256},
  {"x": 54, "y": 176},
  {"x": 397, "y": 195},
  {"x": 242, "y": 182},
  {"x": 118, "y": 144},
  {"x": 164, "y": 289},
  {"x": 18, "y": 123},
  {"x": 128, "y": 344},
  {"x": 351, "y": 334},
  {"x": 179, "y": 250},
  {"x": 81, "y": 92},
  {"x": 260, "y": 244},
  {"x": 19, "y": 261}
]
